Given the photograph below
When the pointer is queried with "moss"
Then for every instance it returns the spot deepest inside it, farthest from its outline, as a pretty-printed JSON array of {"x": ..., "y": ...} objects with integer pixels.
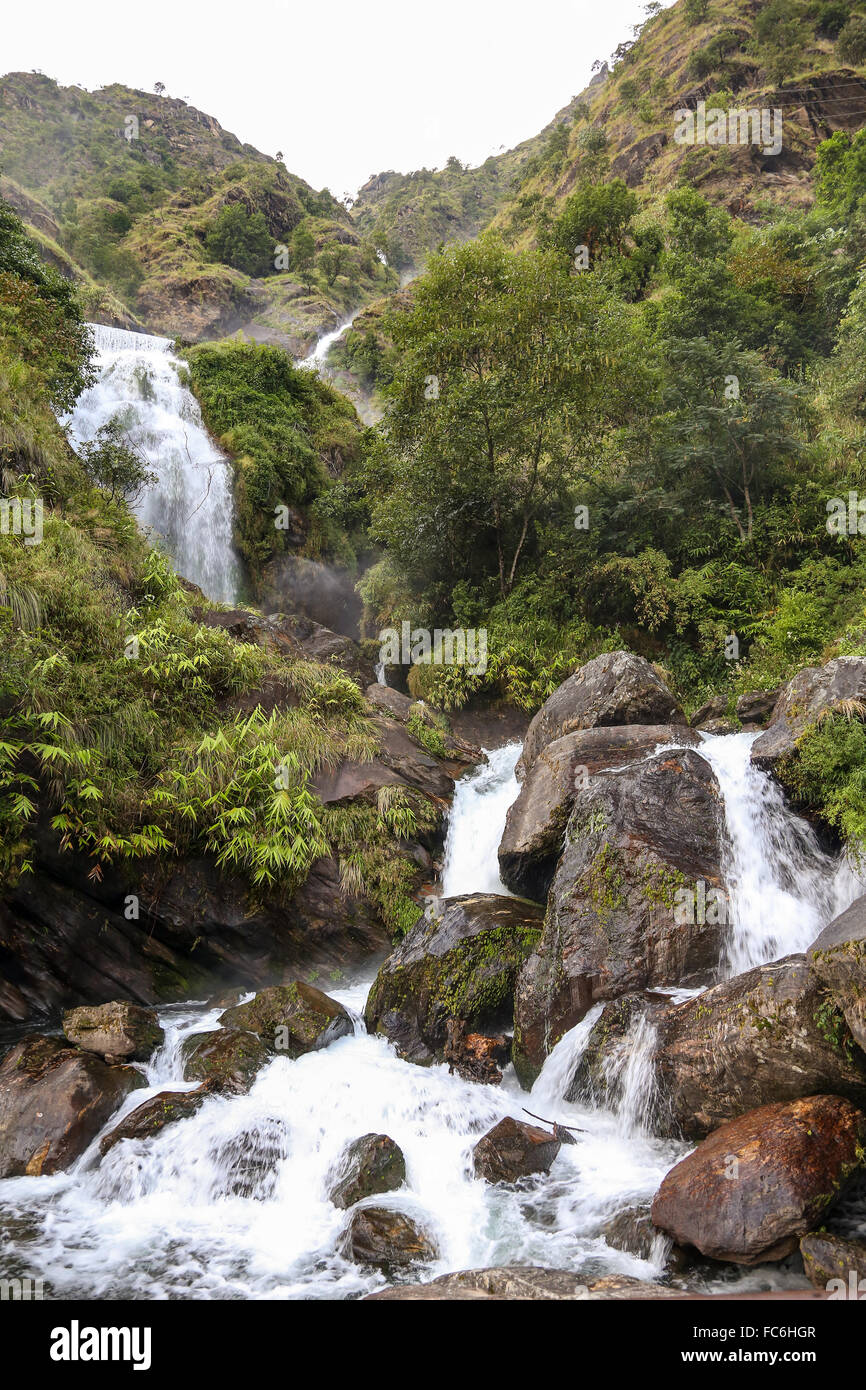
[{"x": 604, "y": 883}]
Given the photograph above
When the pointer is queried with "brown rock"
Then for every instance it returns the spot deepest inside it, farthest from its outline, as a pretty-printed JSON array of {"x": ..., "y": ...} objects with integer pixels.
[
  {"x": 758, "y": 1183},
  {"x": 386, "y": 1239},
  {"x": 291, "y": 1019},
  {"x": 148, "y": 1119},
  {"x": 120, "y": 1031},
  {"x": 513, "y": 1150}
]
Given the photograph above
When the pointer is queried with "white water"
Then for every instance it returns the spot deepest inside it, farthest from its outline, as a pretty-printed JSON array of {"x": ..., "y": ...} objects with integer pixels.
[
  {"x": 319, "y": 356},
  {"x": 190, "y": 506},
  {"x": 232, "y": 1202},
  {"x": 476, "y": 823}
]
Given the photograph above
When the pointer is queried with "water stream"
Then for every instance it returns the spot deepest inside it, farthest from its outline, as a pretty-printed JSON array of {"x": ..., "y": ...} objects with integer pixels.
[
  {"x": 233, "y": 1202},
  {"x": 190, "y": 505}
]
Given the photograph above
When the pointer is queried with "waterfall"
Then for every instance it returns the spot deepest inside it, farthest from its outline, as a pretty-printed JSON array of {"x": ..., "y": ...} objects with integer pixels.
[
  {"x": 232, "y": 1202},
  {"x": 476, "y": 822},
  {"x": 782, "y": 887},
  {"x": 319, "y": 356},
  {"x": 190, "y": 505}
]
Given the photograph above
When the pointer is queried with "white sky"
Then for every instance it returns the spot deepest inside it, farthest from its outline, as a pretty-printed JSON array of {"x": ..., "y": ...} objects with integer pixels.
[{"x": 345, "y": 88}]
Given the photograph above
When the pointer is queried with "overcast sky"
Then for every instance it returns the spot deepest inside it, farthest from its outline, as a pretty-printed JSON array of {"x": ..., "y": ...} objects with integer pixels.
[{"x": 345, "y": 88}]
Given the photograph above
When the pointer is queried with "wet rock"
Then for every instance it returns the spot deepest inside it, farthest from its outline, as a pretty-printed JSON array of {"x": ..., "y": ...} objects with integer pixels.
[
  {"x": 625, "y": 910},
  {"x": 802, "y": 700},
  {"x": 249, "y": 1162},
  {"x": 827, "y": 1257},
  {"x": 600, "y": 1073},
  {"x": 386, "y": 1239},
  {"x": 117, "y": 1030},
  {"x": 460, "y": 961},
  {"x": 228, "y": 1059},
  {"x": 760, "y": 1182},
  {"x": 291, "y": 1019},
  {"x": 715, "y": 708},
  {"x": 54, "y": 1100},
  {"x": 838, "y": 957},
  {"x": 151, "y": 1117},
  {"x": 616, "y": 688},
  {"x": 535, "y": 825},
  {"x": 756, "y": 706},
  {"x": 514, "y": 1150},
  {"x": 474, "y": 1056},
  {"x": 370, "y": 1165},
  {"x": 523, "y": 1283},
  {"x": 771, "y": 1034}
]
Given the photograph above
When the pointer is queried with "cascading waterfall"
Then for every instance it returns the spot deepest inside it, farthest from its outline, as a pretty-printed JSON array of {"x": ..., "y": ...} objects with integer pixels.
[
  {"x": 319, "y": 356},
  {"x": 232, "y": 1202},
  {"x": 190, "y": 505}
]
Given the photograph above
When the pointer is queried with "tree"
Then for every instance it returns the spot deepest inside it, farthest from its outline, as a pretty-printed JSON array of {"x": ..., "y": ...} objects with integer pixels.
[
  {"x": 159, "y": 88},
  {"x": 241, "y": 239},
  {"x": 115, "y": 465},
  {"x": 597, "y": 216},
  {"x": 332, "y": 261},
  {"x": 507, "y": 365},
  {"x": 303, "y": 254}
]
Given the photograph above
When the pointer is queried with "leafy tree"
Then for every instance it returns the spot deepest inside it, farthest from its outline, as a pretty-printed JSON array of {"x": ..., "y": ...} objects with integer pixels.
[
  {"x": 303, "y": 254},
  {"x": 241, "y": 239},
  {"x": 115, "y": 464},
  {"x": 332, "y": 261}
]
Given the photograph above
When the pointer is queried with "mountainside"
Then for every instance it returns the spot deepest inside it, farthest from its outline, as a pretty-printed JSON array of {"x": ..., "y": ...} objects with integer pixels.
[{"x": 184, "y": 229}]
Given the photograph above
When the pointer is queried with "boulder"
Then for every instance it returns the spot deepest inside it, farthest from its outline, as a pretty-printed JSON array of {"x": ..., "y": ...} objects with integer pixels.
[
  {"x": 512, "y": 1150},
  {"x": 148, "y": 1119},
  {"x": 600, "y": 1074},
  {"x": 120, "y": 1030},
  {"x": 771, "y": 1034},
  {"x": 802, "y": 700},
  {"x": 54, "y": 1100},
  {"x": 524, "y": 1283},
  {"x": 536, "y": 821},
  {"x": 616, "y": 688},
  {"x": 624, "y": 912},
  {"x": 827, "y": 1257},
  {"x": 228, "y": 1059},
  {"x": 370, "y": 1165},
  {"x": 760, "y": 1182},
  {"x": 460, "y": 961},
  {"x": 291, "y": 1019},
  {"x": 386, "y": 1239},
  {"x": 838, "y": 957},
  {"x": 756, "y": 706}
]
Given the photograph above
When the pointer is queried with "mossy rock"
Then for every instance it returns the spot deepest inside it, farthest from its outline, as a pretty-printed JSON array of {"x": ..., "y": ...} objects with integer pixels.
[
  {"x": 368, "y": 1166},
  {"x": 148, "y": 1119},
  {"x": 291, "y": 1019},
  {"x": 228, "y": 1058},
  {"x": 460, "y": 961}
]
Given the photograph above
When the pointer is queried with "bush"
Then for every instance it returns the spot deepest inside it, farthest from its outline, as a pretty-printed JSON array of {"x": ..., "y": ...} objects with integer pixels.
[{"x": 241, "y": 239}]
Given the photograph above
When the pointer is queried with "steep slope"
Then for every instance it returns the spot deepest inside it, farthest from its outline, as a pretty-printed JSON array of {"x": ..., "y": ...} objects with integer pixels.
[{"x": 191, "y": 232}]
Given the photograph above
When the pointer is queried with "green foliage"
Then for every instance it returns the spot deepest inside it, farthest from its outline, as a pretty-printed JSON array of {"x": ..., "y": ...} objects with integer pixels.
[
  {"x": 116, "y": 465},
  {"x": 828, "y": 774},
  {"x": 240, "y": 238}
]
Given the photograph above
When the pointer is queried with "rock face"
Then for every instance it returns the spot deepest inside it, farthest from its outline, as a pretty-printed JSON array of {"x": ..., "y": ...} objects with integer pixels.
[
  {"x": 616, "y": 688},
  {"x": 291, "y": 1019},
  {"x": 386, "y": 1239},
  {"x": 756, "y": 706},
  {"x": 513, "y": 1150},
  {"x": 460, "y": 961},
  {"x": 54, "y": 1100},
  {"x": 624, "y": 911},
  {"x": 827, "y": 1257},
  {"x": 536, "y": 821},
  {"x": 148, "y": 1119},
  {"x": 771, "y": 1034},
  {"x": 228, "y": 1059},
  {"x": 749, "y": 1192},
  {"x": 838, "y": 957},
  {"x": 370, "y": 1165},
  {"x": 813, "y": 690},
  {"x": 118, "y": 1030}
]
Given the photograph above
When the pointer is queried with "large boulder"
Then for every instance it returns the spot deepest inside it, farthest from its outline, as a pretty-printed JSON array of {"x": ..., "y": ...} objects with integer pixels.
[
  {"x": 760, "y": 1182},
  {"x": 119, "y": 1030},
  {"x": 148, "y": 1119},
  {"x": 460, "y": 961},
  {"x": 536, "y": 821},
  {"x": 386, "y": 1239},
  {"x": 771, "y": 1034},
  {"x": 625, "y": 910},
  {"x": 291, "y": 1019},
  {"x": 524, "y": 1283},
  {"x": 803, "y": 699},
  {"x": 228, "y": 1059},
  {"x": 616, "y": 688},
  {"x": 838, "y": 957},
  {"x": 370, "y": 1165},
  {"x": 513, "y": 1150},
  {"x": 54, "y": 1100}
]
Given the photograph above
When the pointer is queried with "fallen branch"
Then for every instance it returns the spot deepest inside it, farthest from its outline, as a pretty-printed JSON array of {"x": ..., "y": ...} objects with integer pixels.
[{"x": 560, "y": 1132}]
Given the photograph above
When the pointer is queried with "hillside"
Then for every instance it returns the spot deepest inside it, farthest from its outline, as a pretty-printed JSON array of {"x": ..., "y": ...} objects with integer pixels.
[{"x": 182, "y": 228}]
